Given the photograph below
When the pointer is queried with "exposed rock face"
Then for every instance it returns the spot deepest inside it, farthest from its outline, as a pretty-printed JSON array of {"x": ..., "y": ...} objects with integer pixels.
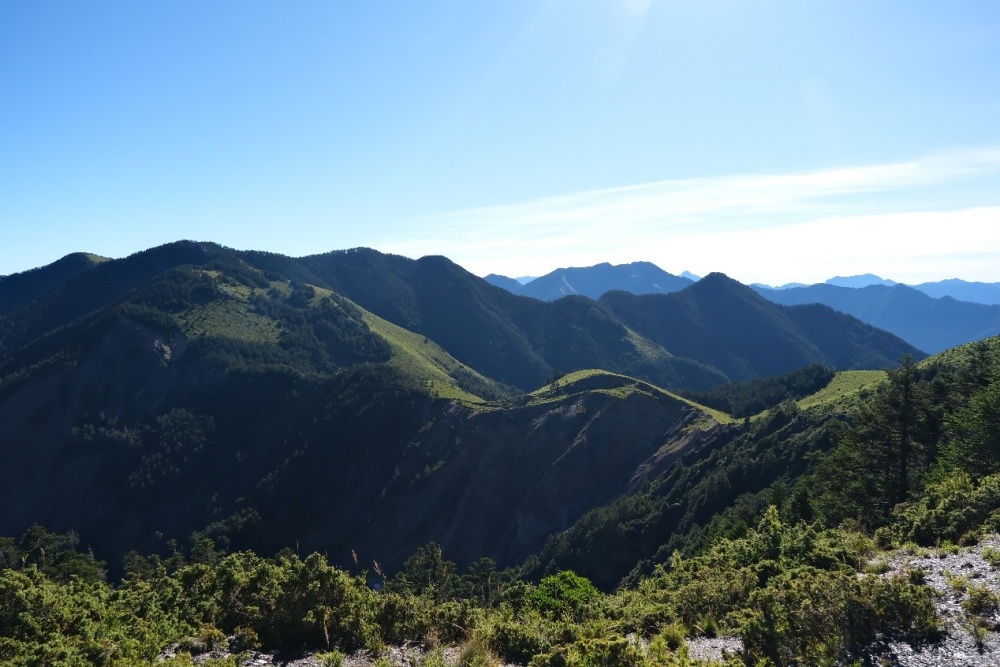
[{"x": 498, "y": 483}]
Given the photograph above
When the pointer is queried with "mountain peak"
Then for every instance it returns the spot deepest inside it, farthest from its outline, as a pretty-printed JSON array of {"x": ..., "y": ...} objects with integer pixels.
[
  {"x": 719, "y": 278},
  {"x": 593, "y": 281},
  {"x": 863, "y": 280},
  {"x": 717, "y": 283}
]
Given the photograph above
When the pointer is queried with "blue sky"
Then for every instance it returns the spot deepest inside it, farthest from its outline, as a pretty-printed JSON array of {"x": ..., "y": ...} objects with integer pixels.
[{"x": 771, "y": 140}]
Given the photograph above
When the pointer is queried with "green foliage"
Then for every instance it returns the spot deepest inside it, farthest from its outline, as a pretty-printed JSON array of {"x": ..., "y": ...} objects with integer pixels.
[
  {"x": 563, "y": 595},
  {"x": 980, "y": 601},
  {"x": 719, "y": 491},
  {"x": 603, "y": 652},
  {"x": 815, "y": 617},
  {"x": 844, "y": 393},
  {"x": 991, "y": 556},
  {"x": 953, "y": 509},
  {"x": 331, "y": 658},
  {"x": 433, "y": 658},
  {"x": 56, "y": 556},
  {"x": 792, "y": 591},
  {"x": 427, "y": 572},
  {"x": 745, "y": 399},
  {"x": 672, "y": 635},
  {"x": 403, "y": 616},
  {"x": 476, "y": 653},
  {"x": 518, "y": 638},
  {"x": 43, "y": 621},
  {"x": 883, "y": 458},
  {"x": 975, "y": 429}
]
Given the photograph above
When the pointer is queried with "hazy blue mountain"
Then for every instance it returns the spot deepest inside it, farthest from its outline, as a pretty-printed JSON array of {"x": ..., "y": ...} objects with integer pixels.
[
  {"x": 512, "y": 285},
  {"x": 593, "y": 281},
  {"x": 863, "y": 280},
  {"x": 690, "y": 276},
  {"x": 973, "y": 292},
  {"x": 930, "y": 324}
]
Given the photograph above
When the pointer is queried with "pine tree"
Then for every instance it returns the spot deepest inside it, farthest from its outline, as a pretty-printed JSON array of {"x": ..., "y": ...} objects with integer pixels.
[{"x": 877, "y": 463}]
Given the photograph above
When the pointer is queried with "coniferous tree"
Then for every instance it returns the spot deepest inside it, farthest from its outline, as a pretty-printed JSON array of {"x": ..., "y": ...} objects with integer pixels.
[{"x": 880, "y": 459}]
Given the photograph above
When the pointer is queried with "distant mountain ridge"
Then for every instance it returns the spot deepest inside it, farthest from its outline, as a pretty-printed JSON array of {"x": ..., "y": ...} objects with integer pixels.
[
  {"x": 931, "y": 324},
  {"x": 594, "y": 281},
  {"x": 974, "y": 292},
  {"x": 647, "y": 278},
  {"x": 960, "y": 290},
  {"x": 863, "y": 280},
  {"x": 932, "y": 316}
]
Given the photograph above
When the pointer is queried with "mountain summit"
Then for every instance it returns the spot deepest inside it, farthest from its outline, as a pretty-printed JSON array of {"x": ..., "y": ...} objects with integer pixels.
[
  {"x": 863, "y": 280},
  {"x": 593, "y": 281}
]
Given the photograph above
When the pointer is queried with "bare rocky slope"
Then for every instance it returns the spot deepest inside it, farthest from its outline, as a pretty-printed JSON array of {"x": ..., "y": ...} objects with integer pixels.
[{"x": 963, "y": 581}]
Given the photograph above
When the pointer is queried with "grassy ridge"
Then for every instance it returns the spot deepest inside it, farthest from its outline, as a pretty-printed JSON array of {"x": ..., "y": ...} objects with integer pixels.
[
  {"x": 844, "y": 392},
  {"x": 429, "y": 366},
  {"x": 616, "y": 384}
]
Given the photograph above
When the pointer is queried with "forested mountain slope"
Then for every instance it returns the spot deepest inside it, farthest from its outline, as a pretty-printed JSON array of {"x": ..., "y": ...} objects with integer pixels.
[
  {"x": 902, "y": 450},
  {"x": 215, "y": 400},
  {"x": 258, "y": 383},
  {"x": 772, "y": 533},
  {"x": 673, "y": 340},
  {"x": 746, "y": 336},
  {"x": 19, "y": 289}
]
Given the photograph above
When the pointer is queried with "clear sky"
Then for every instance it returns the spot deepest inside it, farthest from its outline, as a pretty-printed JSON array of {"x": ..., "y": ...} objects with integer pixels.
[{"x": 771, "y": 140}]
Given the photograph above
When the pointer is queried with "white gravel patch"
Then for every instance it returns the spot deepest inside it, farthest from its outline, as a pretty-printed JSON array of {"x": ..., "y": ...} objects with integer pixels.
[
  {"x": 714, "y": 648},
  {"x": 947, "y": 574}
]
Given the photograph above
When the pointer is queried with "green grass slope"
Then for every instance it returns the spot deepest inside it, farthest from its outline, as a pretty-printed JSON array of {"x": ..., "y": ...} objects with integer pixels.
[
  {"x": 614, "y": 384},
  {"x": 846, "y": 391},
  {"x": 430, "y": 367}
]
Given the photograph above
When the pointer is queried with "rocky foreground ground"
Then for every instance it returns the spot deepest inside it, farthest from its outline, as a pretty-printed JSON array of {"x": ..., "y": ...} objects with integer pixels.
[
  {"x": 964, "y": 581},
  {"x": 706, "y": 649}
]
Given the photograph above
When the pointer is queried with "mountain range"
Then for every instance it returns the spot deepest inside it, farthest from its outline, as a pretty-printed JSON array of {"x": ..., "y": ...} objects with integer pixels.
[
  {"x": 931, "y": 316},
  {"x": 594, "y": 281},
  {"x": 647, "y": 278},
  {"x": 361, "y": 401},
  {"x": 931, "y": 324}
]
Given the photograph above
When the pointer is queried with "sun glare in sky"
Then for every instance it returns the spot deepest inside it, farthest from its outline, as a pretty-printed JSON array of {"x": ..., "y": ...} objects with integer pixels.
[{"x": 772, "y": 141}]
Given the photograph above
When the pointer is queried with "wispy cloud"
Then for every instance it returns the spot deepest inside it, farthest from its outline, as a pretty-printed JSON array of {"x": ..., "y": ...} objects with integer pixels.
[{"x": 862, "y": 213}]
